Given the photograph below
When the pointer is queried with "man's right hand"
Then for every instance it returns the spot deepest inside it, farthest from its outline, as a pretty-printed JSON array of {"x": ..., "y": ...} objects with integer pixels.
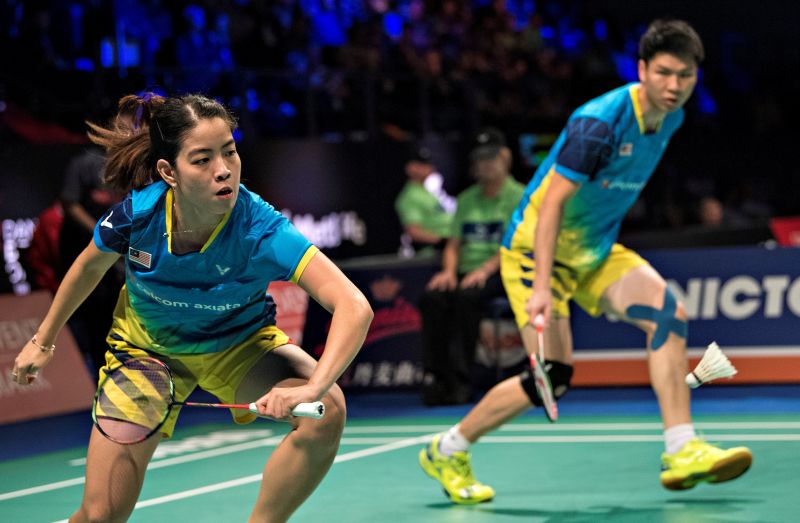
[
  {"x": 541, "y": 302},
  {"x": 442, "y": 281}
]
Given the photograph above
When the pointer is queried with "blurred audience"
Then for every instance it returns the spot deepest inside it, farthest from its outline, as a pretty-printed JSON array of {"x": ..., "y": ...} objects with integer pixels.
[
  {"x": 423, "y": 206},
  {"x": 713, "y": 214},
  {"x": 456, "y": 297},
  {"x": 391, "y": 69}
]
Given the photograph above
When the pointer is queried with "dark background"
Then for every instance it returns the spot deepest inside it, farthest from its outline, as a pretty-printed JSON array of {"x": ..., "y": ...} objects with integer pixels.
[{"x": 325, "y": 132}]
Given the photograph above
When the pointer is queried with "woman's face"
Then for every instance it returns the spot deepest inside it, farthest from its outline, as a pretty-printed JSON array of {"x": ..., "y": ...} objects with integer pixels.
[{"x": 208, "y": 169}]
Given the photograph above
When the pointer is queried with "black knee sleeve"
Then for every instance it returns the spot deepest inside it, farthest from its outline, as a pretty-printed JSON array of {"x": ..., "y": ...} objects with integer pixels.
[{"x": 560, "y": 375}]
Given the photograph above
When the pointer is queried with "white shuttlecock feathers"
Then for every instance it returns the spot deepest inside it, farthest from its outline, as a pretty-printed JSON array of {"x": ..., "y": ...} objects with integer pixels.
[{"x": 714, "y": 364}]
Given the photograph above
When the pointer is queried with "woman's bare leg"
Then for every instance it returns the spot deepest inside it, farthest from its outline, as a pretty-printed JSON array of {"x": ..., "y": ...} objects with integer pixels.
[
  {"x": 301, "y": 460},
  {"x": 114, "y": 477}
]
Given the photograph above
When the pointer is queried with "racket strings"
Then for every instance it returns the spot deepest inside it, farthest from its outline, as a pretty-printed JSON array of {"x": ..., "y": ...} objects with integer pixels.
[{"x": 133, "y": 400}]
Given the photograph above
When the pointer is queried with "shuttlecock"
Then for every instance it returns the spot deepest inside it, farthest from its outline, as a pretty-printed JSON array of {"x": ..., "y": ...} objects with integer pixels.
[{"x": 714, "y": 364}]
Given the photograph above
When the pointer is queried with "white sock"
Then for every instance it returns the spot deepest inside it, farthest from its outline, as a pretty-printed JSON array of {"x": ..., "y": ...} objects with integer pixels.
[
  {"x": 676, "y": 437},
  {"x": 453, "y": 441}
]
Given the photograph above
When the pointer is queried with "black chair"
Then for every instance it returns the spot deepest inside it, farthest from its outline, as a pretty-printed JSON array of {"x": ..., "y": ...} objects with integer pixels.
[{"x": 498, "y": 309}]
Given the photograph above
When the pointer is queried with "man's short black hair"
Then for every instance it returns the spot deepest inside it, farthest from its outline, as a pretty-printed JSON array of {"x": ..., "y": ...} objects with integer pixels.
[{"x": 675, "y": 37}]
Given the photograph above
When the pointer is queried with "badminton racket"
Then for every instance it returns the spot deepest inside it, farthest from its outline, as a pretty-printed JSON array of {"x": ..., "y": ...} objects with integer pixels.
[
  {"x": 540, "y": 377},
  {"x": 134, "y": 400}
]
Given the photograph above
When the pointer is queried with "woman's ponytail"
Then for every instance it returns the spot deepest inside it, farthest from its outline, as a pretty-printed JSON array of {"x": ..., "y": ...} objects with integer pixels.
[{"x": 126, "y": 139}]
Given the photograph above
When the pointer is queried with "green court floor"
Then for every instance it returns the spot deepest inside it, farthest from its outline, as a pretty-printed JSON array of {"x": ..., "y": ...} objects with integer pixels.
[{"x": 584, "y": 469}]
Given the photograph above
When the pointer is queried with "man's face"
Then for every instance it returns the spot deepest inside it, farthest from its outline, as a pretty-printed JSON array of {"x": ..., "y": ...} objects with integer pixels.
[
  {"x": 417, "y": 170},
  {"x": 489, "y": 169},
  {"x": 668, "y": 81}
]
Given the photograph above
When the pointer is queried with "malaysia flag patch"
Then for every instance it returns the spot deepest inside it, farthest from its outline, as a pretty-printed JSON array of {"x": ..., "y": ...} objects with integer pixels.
[{"x": 140, "y": 257}]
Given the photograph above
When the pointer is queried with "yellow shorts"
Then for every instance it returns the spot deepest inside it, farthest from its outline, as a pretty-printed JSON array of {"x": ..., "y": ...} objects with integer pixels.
[
  {"x": 219, "y": 373},
  {"x": 586, "y": 287}
]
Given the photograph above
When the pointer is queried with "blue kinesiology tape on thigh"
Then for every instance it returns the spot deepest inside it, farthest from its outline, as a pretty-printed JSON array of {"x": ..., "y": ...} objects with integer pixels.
[{"x": 664, "y": 319}]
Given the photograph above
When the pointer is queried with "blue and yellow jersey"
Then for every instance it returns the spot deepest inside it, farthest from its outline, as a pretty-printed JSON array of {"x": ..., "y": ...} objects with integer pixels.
[
  {"x": 607, "y": 151},
  {"x": 199, "y": 302}
]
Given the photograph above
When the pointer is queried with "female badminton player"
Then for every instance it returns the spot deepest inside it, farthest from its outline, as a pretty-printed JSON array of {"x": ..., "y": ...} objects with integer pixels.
[{"x": 200, "y": 250}]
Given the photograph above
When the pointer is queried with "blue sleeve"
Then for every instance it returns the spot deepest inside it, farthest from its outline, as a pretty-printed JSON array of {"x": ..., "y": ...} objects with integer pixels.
[
  {"x": 112, "y": 233},
  {"x": 292, "y": 250},
  {"x": 586, "y": 150},
  {"x": 280, "y": 246}
]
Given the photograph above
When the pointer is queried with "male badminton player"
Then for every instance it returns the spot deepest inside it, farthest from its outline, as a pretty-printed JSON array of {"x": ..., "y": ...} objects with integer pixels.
[
  {"x": 561, "y": 245},
  {"x": 200, "y": 251}
]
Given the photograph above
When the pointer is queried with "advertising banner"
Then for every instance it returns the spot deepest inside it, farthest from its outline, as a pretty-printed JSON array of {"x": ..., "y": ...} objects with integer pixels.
[
  {"x": 292, "y": 303},
  {"x": 63, "y": 386},
  {"x": 391, "y": 354},
  {"x": 391, "y": 357},
  {"x": 745, "y": 299}
]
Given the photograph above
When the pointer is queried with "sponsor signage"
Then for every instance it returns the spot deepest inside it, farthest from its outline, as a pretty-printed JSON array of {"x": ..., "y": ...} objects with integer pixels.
[
  {"x": 291, "y": 304},
  {"x": 746, "y": 299},
  {"x": 391, "y": 355},
  {"x": 63, "y": 386},
  {"x": 740, "y": 297}
]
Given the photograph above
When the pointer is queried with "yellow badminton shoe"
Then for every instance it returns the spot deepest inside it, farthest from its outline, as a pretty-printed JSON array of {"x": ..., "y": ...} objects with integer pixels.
[
  {"x": 697, "y": 461},
  {"x": 454, "y": 473}
]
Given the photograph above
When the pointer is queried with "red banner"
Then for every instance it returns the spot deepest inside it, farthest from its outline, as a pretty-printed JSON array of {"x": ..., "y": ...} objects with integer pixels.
[
  {"x": 63, "y": 386},
  {"x": 786, "y": 230},
  {"x": 292, "y": 304}
]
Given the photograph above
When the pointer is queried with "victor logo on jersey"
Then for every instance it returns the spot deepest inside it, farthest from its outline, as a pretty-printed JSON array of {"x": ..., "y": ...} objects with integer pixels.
[{"x": 626, "y": 149}]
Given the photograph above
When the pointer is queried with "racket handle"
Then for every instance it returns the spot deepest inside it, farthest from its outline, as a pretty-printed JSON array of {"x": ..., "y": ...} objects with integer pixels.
[
  {"x": 304, "y": 410},
  {"x": 538, "y": 322}
]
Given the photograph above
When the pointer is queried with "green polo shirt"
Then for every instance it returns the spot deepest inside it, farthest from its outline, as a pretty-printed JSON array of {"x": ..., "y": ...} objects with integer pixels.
[
  {"x": 416, "y": 206},
  {"x": 480, "y": 222}
]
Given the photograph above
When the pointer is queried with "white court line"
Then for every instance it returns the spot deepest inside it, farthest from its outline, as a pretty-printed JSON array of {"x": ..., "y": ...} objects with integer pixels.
[
  {"x": 348, "y": 456},
  {"x": 754, "y": 351},
  {"x": 194, "y": 456},
  {"x": 639, "y": 438},
  {"x": 392, "y": 442},
  {"x": 42, "y": 488},
  {"x": 394, "y": 445},
  {"x": 266, "y": 442},
  {"x": 257, "y": 477},
  {"x": 395, "y": 429},
  {"x": 566, "y": 427},
  {"x": 383, "y": 448},
  {"x": 569, "y": 427},
  {"x": 518, "y": 427}
]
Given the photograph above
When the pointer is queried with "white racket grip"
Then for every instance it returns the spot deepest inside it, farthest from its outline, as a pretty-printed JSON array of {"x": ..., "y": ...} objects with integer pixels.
[
  {"x": 538, "y": 322},
  {"x": 304, "y": 410}
]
